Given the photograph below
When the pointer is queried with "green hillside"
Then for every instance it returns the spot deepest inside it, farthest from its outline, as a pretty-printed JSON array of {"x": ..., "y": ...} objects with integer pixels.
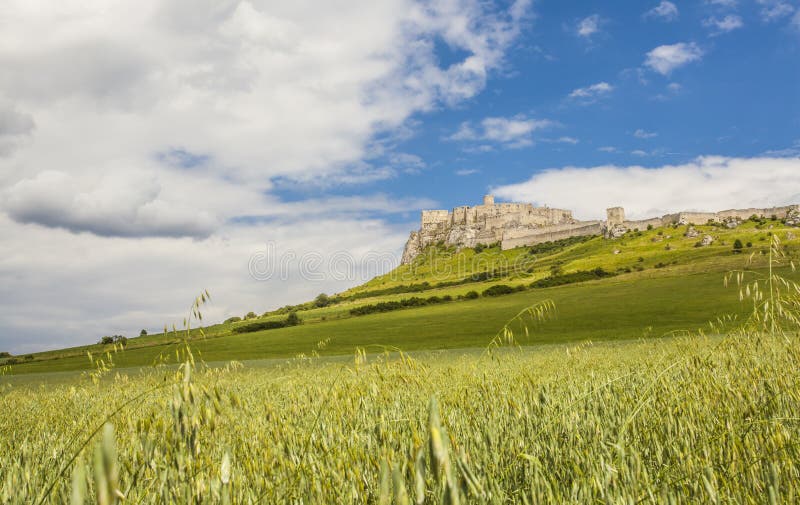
[{"x": 649, "y": 282}]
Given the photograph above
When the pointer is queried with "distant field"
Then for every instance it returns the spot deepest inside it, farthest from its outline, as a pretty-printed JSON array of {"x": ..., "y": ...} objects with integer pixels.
[
  {"x": 609, "y": 309},
  {"x": 663, "y": 283}
]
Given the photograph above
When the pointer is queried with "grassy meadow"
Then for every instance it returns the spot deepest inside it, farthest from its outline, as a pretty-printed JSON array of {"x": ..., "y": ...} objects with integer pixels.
[
  {"x": 660, "y": 385},
  {"x": 663, "y": 283},
  {"x": 609, "y": 309},
  {"x": 676, "y": 420}
]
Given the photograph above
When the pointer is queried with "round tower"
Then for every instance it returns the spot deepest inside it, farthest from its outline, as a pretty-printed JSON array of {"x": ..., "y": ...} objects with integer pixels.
[{"x": 488, "y": 200}]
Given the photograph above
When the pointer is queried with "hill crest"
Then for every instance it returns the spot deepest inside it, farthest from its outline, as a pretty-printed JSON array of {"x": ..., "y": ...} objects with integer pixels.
[{"x": 523, "y": 224}]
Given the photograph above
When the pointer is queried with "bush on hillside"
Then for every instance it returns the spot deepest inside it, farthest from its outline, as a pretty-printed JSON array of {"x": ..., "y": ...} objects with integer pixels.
[
  {"x": 471, "y": 295},
  {"x": 579, "y": 276},
  {"x": 322, "y": 300},
  {"x": 234, "y": 319},
  {"x": 497, "y": 290},
  {"x": 258, "y": 326},
  {"x": 5, "y": 354},
  {"x": 389, "y": 306},
  {"x": 555, "y": 245},
  {"x": 486, "y": 275},
  {"x": 293, "y": 319}
]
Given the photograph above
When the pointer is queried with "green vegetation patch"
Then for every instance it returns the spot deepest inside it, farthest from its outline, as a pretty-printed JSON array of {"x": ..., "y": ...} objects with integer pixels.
[{"x": 625, "y": 422}]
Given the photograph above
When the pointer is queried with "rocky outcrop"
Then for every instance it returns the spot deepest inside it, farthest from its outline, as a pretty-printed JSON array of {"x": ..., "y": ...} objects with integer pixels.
[
  {"x": 793, "y": 218},
  {"x": 731, "y": 222},
  {"x": 616, "y": 231},
  {"x": 465, "y": 236},
  {"x": 412, "y": 249}
]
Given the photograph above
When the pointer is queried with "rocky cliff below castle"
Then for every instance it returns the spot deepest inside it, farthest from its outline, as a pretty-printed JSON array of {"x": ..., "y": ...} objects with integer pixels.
[{"x": 522, "y": 224}]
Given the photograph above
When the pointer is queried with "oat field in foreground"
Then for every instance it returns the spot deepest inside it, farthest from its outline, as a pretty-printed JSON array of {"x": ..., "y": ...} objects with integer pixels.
[{"x": 678, "y": 420}]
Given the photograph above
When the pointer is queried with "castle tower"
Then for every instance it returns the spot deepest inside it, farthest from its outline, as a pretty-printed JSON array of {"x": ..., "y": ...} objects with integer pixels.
[
  {"x": 614, "y": 216},
  {"x": 488, "y": 200}
]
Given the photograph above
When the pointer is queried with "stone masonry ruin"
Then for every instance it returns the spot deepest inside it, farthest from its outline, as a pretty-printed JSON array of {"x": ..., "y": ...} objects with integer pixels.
[{"x": 521, "y": 224}]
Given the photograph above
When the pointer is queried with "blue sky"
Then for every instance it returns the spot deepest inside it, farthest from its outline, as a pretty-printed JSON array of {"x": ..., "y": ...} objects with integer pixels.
[
  {"x": 150, "y": 149},
  {"x": 740, "y": 97}
]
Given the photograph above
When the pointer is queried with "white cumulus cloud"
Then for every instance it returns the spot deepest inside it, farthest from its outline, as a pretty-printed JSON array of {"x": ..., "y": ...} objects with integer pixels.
[
  {"x": 644, "y": 134},
  {"x": 725, "y": 4},
  {"x": 142, "y": 142},
  {"x": 257, "y": 90},
  {"x": 774, "y": 10},
  {"x": 590, "y": 94},
  {"x": 664, "y": 59},
  {"x": 511, "y": 132},
  {"x": 665, "y": 10},
  {"x": 588, "y": 26},
  {"x": 709, "y": 183},
  {"x": 723, "y": 25}
]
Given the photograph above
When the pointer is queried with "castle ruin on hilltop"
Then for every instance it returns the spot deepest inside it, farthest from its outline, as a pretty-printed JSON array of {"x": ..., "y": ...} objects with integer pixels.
[{"x": 521, "y": 224}]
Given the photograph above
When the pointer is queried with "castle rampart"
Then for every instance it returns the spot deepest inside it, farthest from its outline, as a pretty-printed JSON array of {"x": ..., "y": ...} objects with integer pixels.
[
  {"x": 642, "y": 224},
  {"x": 517, "y": 238},
  {"x": 522, "y": 224},
  {"x": 433, "y": 218}
]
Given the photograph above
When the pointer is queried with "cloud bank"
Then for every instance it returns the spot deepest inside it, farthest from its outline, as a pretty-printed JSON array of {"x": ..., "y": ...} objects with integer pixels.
[
  {"x": 709, "y": 183},
  {"x": 142, "y": 144},
  {"x": 144, "y": 97}
]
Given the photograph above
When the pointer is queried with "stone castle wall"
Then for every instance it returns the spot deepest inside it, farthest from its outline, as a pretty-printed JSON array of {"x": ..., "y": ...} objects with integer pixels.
[
  {"x": 743, "y": 214},
  {"x": 518, "y": 238},
  {"x": 642, "y": 224},
  {"x": 522, "y": 224},
  {"x": 683, "y": 218},
  {"x": 435, "y": 217}
]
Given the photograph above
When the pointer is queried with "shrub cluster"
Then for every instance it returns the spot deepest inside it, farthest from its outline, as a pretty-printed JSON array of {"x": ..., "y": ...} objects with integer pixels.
[
  {"x": 115, "y": 339},
  {"x": 496, "y": 290},
  {"x": 389, "y": 306},
  {"x": 291, "y": 320},
  {"x": 556, "y": 245},
  {"x": 479, "y": 248},
  {"x": 501, "y": 289},
  {"x": 579, "y": 276},
  {"x": 15, "y": 361},
  {"x": 487, "y": 275}
]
